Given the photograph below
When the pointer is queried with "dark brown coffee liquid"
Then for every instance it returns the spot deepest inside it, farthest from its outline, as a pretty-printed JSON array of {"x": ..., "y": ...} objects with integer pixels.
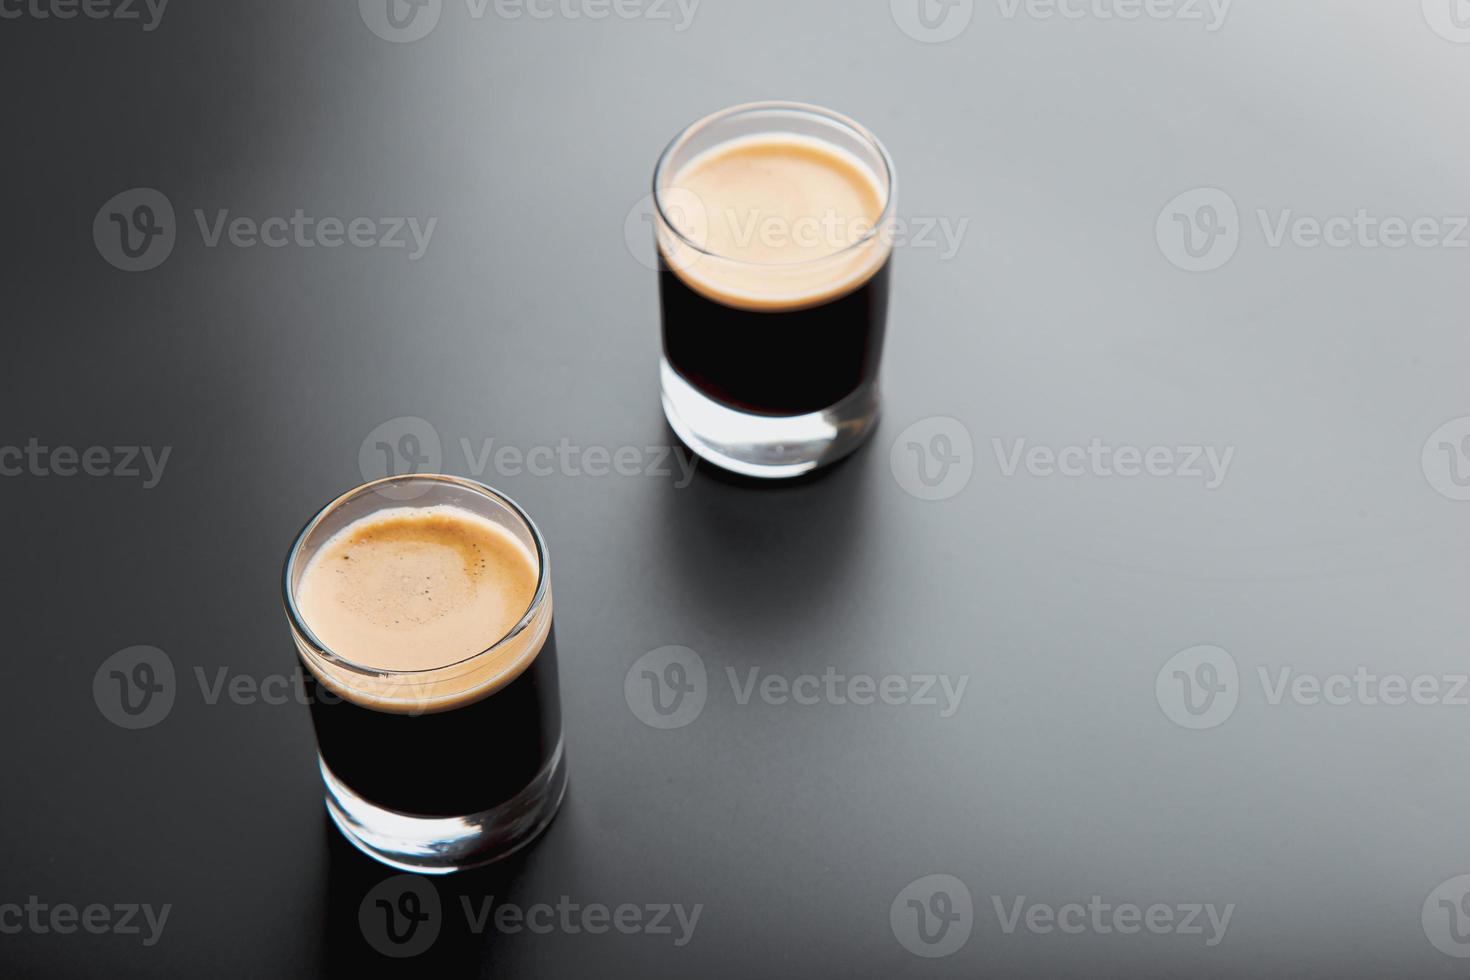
[
  {"x": 452, "y": 763},
  {"x": 775, "y": 363}
]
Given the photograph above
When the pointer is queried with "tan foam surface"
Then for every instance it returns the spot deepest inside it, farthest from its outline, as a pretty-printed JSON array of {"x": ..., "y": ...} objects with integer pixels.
[
  {"x": 779, "y": 215},
  {"x": 409, "y": 589}
]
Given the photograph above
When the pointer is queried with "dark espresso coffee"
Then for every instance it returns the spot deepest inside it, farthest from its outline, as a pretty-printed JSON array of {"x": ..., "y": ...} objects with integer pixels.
[
  {"x": 416, "y": 592},
  {"x": 776, "y": 299},
  {"x": 776, "y": 363}
]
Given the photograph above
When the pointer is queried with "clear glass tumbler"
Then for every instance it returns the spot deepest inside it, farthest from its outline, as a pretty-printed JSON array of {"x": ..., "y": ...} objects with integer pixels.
[
  {"x": 444, "y": 768},
  {"x": 770, "y": 364}
]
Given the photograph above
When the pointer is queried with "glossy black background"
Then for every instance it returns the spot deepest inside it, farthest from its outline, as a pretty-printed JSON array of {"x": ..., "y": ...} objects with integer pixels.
[{"x": 529, "y": 321}]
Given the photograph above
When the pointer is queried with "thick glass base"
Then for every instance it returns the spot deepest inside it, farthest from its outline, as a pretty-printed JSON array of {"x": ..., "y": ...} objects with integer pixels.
[
  {"x": 763, "y": 446},
  {"x": 440, "y": 845}
]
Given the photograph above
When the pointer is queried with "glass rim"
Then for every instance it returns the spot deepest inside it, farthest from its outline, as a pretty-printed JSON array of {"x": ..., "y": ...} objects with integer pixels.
[
  {"x": 889, "y": 175},
  {"x": 303, "y": 631}
]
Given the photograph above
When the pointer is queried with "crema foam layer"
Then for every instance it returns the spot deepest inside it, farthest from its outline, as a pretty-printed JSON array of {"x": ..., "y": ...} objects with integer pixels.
[
  {"x": 420, "y": 591},
  {"x": 782, "y": 222}
]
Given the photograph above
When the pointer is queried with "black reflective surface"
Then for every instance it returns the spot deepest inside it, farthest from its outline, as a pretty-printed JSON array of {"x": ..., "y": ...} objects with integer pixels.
[{"x": 1324, "y": 539}]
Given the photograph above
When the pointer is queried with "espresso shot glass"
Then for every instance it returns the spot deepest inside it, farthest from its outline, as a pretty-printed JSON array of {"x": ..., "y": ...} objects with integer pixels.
[
  {"x": 773, "y": 223},
  {"x": 421, "y": 609}
]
